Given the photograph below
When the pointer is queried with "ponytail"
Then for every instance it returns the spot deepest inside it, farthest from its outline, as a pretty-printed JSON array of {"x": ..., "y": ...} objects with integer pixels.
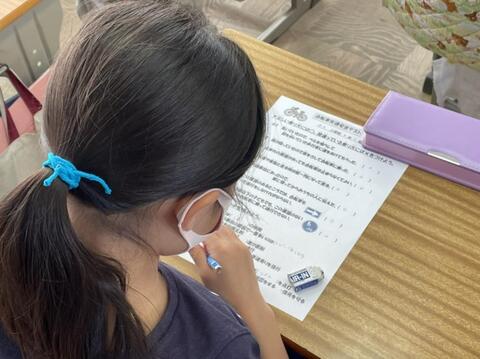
[
  {"x": 57, "y": 299},
  {"x": 158, "y": 104}
]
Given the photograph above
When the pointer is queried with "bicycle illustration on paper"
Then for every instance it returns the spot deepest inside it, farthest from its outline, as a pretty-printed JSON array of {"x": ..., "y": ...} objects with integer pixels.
[{"x": 295, "y": 112}]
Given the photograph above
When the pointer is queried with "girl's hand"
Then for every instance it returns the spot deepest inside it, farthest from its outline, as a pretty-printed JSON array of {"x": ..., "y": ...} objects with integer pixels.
[{"x": 236, "y": 282}]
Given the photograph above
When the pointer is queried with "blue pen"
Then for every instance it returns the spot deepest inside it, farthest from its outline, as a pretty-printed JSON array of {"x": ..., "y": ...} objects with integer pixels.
[{"x": 213, "y": 264}]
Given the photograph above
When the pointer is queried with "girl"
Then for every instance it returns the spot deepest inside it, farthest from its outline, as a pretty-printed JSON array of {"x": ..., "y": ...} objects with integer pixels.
[{"x": 151, "y": 117}]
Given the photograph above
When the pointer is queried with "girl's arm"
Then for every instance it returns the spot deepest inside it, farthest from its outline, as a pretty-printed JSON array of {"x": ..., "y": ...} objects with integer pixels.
[{"x": 237, "y": 284}]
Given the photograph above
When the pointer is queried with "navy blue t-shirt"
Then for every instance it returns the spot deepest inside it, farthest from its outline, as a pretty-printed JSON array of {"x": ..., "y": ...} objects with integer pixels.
[{"x": 196, "y": 324}]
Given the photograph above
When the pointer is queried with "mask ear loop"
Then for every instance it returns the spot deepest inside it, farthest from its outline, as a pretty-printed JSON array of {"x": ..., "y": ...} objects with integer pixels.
[
  {"x": 224, "y": 200},
  {"x": 192, "y": 237}
]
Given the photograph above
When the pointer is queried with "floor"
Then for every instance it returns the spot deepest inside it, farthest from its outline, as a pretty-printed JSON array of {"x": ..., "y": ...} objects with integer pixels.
[{"x": 357, "y": 37}]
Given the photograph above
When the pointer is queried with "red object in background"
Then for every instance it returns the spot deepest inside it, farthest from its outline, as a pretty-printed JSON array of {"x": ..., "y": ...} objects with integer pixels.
[{"x": 20, "y": 114}]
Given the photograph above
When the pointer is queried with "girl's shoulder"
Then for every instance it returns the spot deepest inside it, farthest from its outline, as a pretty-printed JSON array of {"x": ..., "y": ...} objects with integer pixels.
[
  {"x": 8, "y": 348},
  {"x": 199, "y": 324}
]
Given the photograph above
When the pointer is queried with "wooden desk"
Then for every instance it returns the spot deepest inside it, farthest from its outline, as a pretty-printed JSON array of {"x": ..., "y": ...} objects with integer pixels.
[
  {"x": 410, "y": 288},
  {"x": 10, "y": 10}
]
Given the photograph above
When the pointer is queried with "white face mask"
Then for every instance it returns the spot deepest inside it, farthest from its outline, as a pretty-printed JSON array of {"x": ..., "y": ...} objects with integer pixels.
[{"x": 192, "y": 237}]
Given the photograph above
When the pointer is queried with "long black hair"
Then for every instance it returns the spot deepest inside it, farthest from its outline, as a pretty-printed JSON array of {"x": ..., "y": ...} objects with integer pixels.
[{"x": 152, "y": 99}]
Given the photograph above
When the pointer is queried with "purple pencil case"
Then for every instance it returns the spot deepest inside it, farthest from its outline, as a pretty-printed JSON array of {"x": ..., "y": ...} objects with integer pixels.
[{"x": 428, "y": 137}]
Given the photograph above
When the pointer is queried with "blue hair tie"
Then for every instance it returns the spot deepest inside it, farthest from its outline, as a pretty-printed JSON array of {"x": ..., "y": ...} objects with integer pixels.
[{"x": 69, "y": 174}]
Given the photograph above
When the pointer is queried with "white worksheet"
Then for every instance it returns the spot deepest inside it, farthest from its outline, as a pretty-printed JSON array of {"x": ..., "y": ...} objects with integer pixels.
[{"x": 310, "y": 195}]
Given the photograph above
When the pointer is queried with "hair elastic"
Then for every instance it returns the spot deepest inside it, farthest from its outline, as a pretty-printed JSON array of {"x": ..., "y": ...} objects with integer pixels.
[{"x": 69, "y": 174}]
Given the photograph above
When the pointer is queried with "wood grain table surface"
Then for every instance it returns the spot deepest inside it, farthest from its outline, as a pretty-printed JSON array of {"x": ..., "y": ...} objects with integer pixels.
[
  {"x": 10, "y": 10},
  {"x": 410, "y": 288}
]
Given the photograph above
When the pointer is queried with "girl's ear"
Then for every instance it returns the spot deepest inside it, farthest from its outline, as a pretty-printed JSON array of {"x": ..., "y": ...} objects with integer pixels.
[{"x": 197, "y": 206}]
